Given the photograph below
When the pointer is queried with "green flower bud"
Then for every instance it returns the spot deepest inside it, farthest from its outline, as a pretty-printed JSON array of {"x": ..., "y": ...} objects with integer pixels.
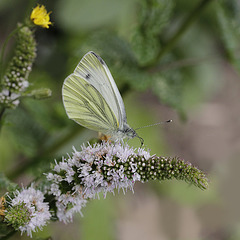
[
  {"x": 41, "y": 93},
  {"x": 15, "y": 80}
]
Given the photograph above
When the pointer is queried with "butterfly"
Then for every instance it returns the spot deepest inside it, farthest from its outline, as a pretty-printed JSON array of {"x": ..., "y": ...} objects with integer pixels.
[{"x": 91, "y": 98}]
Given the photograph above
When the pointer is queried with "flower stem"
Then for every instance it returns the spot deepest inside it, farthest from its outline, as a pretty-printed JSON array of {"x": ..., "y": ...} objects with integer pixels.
[
  {"x": 188, "y": 62},
  {"x": 2, "y": 112},
  {"x": 1, "y": 115},
  {"x": 43, "y": 154}
]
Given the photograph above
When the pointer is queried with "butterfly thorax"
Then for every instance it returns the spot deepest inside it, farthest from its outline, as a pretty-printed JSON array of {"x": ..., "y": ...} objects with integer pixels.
[{"x": 126, "y": 132}]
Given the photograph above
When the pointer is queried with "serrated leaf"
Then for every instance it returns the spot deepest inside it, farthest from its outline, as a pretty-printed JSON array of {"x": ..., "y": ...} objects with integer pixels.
[
  {"x": 153, "y": 16},
  {"x": 168, "y": 89},
  {"x": 146, "y": 47},
  {"x": 230, "y": 33}
]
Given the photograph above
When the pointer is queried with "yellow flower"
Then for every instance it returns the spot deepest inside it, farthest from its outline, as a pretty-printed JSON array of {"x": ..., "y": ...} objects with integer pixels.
[{"x": 40, "y": 17}]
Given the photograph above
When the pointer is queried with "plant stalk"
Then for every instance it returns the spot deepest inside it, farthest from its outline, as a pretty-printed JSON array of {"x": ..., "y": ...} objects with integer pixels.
[{"x": 42, "y": 153}]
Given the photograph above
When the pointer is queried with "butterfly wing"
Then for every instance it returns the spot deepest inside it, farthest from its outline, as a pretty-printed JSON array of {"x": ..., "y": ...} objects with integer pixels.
[
  {"x": 95, "y": 71},
  {"x": 85, "y": 105}
]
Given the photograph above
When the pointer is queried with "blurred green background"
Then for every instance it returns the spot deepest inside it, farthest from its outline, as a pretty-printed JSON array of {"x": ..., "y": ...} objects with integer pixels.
[{"x": 195, "y": 82}]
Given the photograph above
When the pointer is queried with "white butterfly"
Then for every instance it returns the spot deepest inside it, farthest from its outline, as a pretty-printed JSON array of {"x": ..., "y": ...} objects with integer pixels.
[{"x": 91, "y": 98}]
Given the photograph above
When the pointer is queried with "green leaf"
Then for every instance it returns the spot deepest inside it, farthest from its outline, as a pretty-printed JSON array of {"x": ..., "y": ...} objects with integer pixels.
[
  {"x": 153, "y": 16},
  {"x": 169, "y": 88},
  {"x": 230, "y": 32},
  {"x": 145, "y": 46}
]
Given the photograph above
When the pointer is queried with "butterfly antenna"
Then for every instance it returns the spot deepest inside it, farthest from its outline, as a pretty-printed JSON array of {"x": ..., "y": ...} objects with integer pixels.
[{"x": 168, "y": 121}]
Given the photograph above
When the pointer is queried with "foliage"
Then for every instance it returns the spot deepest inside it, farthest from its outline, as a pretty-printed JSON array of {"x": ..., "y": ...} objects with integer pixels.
[
  {"x": 147, "y": 48},
  {"x": 228, "y": 20}
]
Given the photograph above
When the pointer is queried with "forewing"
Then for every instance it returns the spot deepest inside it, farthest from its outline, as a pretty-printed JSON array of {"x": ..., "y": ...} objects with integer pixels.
[
  {"x": 95, "y": 71},
  {"x": 85, "y": 105}
]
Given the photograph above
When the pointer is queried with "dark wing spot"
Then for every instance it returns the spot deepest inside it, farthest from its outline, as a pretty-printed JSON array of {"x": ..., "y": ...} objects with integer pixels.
[
  {"x": 99, "y": 58},
  {"x": 87, "y": 76},
  {"x": 101, "y": 61}
]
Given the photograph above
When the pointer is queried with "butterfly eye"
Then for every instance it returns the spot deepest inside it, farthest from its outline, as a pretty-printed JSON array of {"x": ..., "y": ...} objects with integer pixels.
[{"x": 87, "y": 76}]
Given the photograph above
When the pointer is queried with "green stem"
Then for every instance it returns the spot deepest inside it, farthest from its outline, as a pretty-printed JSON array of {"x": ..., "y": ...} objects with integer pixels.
[
  {"x": 186, "y": 63},
  {"x": 1, "y": 115},
  {"x": 43, "y": 154},
  {"x": 190, "y": 19},
  {"x": 2, "y": 112}
]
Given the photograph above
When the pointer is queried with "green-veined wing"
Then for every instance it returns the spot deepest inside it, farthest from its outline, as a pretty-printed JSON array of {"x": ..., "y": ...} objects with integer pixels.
[
  {"x": 94, "y": 70},
  {"x": 85, "y": 105}
]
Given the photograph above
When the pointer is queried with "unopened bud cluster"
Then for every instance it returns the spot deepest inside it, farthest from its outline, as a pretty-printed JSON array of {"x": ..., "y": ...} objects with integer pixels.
[{"x": 15, "y": 80}]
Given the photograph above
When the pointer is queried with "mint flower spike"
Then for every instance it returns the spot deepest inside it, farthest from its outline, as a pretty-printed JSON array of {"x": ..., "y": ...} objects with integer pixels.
[
  {"x": 102, "y": 168},
  {"x": 15, "y": 80},
  {"x": 27, "y": 212}
]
